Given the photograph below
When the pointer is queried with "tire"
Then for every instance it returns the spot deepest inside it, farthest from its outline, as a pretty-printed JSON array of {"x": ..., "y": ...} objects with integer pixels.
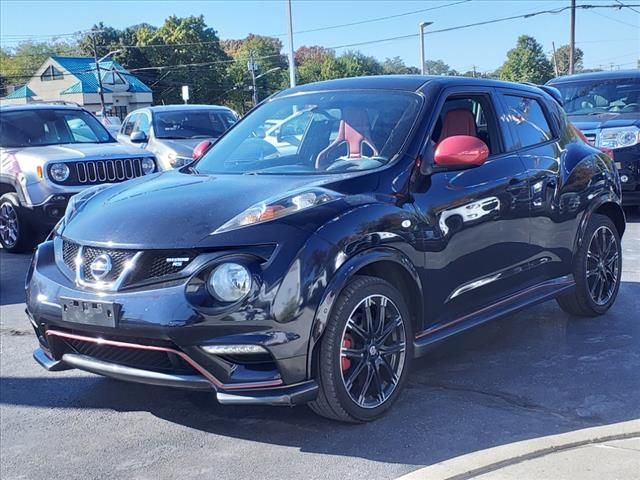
[
  {"x": 16, "y": 235},
  {"x": 597, "y": 283},
  {"x": 369, "y": 360}
]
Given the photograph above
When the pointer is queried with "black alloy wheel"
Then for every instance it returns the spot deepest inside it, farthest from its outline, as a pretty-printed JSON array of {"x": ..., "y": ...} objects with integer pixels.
[
  {"x": 365, "y": 352},
  {"x": 597, "y": 270}
]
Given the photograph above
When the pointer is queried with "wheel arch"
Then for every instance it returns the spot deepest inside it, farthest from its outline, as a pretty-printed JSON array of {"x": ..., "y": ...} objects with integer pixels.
[
  {"x": 387, "y": 263},
  {"x": 607, "y": 205}
]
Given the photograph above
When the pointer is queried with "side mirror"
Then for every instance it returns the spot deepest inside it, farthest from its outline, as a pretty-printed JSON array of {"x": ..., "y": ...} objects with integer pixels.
[
  {"x": 461, "y": 151},
  {"x": 138, "y": 137},
  {"x": 201, "y": 149}
]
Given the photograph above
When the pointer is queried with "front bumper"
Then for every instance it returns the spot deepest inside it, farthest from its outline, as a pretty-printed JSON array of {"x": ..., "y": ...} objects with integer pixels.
[
  {"x": 46, "y": 215},
  {"x": 628, "y": 162},
  {"x": 159, "y": 330}
]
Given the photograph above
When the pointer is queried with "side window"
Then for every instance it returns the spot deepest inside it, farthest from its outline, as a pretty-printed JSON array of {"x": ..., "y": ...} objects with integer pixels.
[
  {"x": 129, "y": 123},
  {"x": 143, "y": 124},
  {"x": 526, "y": 120},
  {"x": 472, "y": 115}
]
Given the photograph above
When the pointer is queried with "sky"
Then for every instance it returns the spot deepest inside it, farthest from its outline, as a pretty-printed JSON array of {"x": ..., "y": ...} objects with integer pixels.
[{"x": 607, "y": 36}]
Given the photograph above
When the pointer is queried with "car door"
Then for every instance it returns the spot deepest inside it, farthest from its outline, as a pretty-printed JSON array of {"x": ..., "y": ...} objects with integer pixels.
[
  {"x": 476, "y": 220},
  {"x": 124, "y": 136},
  {"x": 143, "y": 125},
  {"x": 534, "y": 134}
]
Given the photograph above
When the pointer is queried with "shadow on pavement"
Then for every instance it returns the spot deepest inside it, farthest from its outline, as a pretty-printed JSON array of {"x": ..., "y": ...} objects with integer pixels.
[
  {"x": 13, "y": 268},
  {"x": 532, "y": 374}
]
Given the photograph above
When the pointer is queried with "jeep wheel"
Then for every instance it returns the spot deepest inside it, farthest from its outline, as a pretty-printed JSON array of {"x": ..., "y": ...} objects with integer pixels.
[
  {"x": 365, "y": 353},
  {"x": 16, "y": 235}
]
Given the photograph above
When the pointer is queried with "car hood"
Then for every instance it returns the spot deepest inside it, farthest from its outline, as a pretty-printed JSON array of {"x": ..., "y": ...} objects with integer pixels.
[
  {"x": 74, "y": 152},
  {"x": 173, "y": 209},
  {"x": 184, "y": 147},
  {"x": 605, "y": 120}
]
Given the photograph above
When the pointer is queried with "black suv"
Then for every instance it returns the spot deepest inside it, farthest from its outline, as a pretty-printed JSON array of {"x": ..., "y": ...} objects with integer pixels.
[
  {"x": 412, "y": 208},
  {"x": 606, "y": 107}
]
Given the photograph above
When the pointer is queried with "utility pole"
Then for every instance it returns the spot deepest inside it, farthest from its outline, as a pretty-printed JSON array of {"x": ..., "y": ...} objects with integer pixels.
[
  {"x": 421, "y": 27},
  {"x": 555, "y": 59},
  {"x": 100, "y": 89},
  {"x": 474, "y": 71},
  {"x": 252, "y": 66},
  {"x": 292, "y": 64},
  {"x": 572, "y": 40}
]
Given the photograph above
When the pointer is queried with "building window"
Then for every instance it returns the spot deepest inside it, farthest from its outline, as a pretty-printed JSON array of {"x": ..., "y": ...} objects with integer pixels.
[
  {"x": 51, "y": 73},
  {"x": 112, "y": 77},
  {"x": 119, "y": 111}
]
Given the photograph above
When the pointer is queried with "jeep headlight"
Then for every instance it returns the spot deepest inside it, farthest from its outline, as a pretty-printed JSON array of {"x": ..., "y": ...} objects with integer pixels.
[
  {"x": 59, "y": 172},
  {"x": 279, "y": 208},
  {"x": 619, "y": 137},
  {"x": 229, "y": 282},
  {"x": 148, "y": 165}
]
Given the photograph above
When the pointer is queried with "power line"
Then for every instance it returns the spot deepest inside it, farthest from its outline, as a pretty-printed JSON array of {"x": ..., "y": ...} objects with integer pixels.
[
  {"x": 627, "y": 6},
  {"x": 618, "y": 21},
  {"x": 371, "y": 20},
  {"x": 476, "y": 24}
]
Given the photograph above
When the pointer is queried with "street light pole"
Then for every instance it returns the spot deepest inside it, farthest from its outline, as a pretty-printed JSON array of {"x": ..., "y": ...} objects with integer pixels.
[
  {"x": 572, "y": 40},
  {"x": 292, "y": 65},
  {"x": 252, "y": 66},
  {"x": 100, "y": 89},
  {"x": 421, "y": 28}
]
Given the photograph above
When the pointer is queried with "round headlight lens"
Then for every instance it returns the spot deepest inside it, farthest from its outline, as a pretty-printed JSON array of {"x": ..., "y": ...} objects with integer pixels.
[
  {"x": 229, "y": 282},
  {"x": 148, "y": 165},
  {"x": 59, "y": 172}
]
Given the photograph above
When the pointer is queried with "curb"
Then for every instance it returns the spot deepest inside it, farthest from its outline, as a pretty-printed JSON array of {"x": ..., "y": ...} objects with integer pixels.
[{"x": 485, "y": 461}]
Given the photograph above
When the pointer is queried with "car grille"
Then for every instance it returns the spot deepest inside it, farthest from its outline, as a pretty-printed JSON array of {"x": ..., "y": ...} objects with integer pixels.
[
  {"x": 94, "y": 172},
  {"x": 151, "y": 265},
  {"x": 119, "y": 259},
  {"x": 165, "y": 362}
]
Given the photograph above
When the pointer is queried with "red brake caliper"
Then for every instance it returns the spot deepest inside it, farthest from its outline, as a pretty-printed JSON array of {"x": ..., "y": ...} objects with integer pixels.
[{"x": 347, "y": 342}]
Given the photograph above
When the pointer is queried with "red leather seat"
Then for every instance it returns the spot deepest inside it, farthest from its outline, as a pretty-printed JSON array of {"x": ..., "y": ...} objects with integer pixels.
[
  {"x": 354, "y": 131},
  {"x": 458, "y": 122}
]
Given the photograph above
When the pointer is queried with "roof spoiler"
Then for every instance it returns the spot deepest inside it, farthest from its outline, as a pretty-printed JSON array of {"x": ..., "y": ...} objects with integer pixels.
[{"x": 549, "y": 90}]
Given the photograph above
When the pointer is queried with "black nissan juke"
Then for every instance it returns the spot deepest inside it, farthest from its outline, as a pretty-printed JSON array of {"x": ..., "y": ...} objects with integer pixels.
[{"x": 311, "y": 264}]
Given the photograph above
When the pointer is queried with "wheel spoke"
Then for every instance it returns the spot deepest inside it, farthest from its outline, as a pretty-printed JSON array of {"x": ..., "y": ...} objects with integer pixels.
[
  {"x": 366, "y": 384},
  {"x": 357, "y": 371},
  {"x": 357, "y": 329},
  {"x": 378, "y": 382},
  {"x": 392, "y": 349},
  {"x": 368, "y": 317},
  {"x": 382, "y": 309},
  {"x": 352, "y": 352},
  {"x": 395, "y": 323},
  {"x": 393, "y": 378}
]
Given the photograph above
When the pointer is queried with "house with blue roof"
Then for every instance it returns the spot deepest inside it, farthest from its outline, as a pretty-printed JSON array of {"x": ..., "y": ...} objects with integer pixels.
[{"x": 75, "y": 79}]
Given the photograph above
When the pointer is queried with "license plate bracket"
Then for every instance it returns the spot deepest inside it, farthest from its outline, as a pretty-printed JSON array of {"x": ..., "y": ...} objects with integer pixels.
[{"x": 90, "y": 312}]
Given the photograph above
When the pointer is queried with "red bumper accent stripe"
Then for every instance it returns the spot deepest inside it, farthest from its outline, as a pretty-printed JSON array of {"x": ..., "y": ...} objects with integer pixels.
[{"x": 205, "y": 373}]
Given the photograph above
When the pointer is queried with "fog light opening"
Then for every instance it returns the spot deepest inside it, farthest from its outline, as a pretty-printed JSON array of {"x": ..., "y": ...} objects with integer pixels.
[{"x": 624, "y": 178}]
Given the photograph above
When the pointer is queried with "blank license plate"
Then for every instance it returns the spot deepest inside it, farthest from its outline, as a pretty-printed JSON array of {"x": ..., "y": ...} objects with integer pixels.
[
  {"x": 618, "y": 165},
  {"x": 104, "y": 314}
]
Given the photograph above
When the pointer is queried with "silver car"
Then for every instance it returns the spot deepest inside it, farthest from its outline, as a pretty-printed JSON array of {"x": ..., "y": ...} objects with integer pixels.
[
  {"x": 171, "y": 132},
  {"x": 49, "y": 153}
]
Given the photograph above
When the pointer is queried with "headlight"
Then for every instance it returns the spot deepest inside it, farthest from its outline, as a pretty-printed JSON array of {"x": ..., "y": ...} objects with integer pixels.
[
  {"x": 79, "y": 200},
  {"x": 59, "y": 172},
  {"x": 177, "y": 161},
  {"x": 229, "y": 282},
  {"x": 274, "y": 209},
  {"x": 148, "y": 165},
  {"x": 619, "y": 137}
]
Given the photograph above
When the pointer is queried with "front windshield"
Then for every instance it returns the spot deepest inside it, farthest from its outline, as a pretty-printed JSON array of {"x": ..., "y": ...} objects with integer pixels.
[
  {"x": 594, "y": 97},
  {"x": 325, "y": 132},
  {"x": 47, "y": 126},
  {"x": 192, "y": 124}
]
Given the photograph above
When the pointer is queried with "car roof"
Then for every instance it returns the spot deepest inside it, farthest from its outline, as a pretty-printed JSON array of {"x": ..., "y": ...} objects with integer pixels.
[
  {"x": 181, "y": 107},
  {"x": 408, "y": 83},
  {"x": 611, "y": 74},
  {"x": 40, "y": 106}
]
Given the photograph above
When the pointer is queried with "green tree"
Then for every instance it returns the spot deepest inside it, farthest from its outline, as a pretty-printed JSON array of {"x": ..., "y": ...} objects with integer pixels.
[
  {"x": 562, "y": 59},
  {"x": 266, "y": 52},
  {"x": 316, "y": 63},
  {"x": 438, "y": 67},
  {"x": 396, "y": 66},
  {"x": 356, "y": 64},
  {"x": 526, "y": 62}
]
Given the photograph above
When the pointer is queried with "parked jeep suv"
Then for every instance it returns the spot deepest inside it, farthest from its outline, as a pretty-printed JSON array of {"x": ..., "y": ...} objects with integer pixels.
[
  {"x": 48, "y": 154},
  {"x": 412, "y": 208},
  {"x": 605, "y": 106}
]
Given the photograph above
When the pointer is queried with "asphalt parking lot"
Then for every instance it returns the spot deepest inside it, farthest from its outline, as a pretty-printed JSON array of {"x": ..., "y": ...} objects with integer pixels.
[{"x": 533, "y": 374}]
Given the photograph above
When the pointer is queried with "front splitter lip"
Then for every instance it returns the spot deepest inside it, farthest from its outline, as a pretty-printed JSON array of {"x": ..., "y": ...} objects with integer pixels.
[{"x": 286, "y": 395}]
